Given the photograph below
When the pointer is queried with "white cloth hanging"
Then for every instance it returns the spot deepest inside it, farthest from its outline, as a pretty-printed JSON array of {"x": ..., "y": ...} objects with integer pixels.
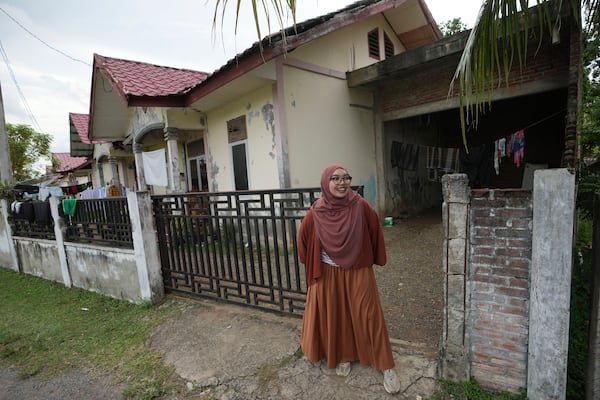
[{"x": 155, "y": 167}]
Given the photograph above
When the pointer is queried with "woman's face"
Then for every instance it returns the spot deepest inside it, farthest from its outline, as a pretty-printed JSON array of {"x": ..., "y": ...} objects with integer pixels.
[{"x": 339, "y": 183}]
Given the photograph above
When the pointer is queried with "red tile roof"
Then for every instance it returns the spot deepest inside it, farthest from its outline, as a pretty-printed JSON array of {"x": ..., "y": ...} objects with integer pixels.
[
  {"x": 81, "y": 123},
  {"x": 68, "y": 163},
  {"x": 138, "y": 79}
]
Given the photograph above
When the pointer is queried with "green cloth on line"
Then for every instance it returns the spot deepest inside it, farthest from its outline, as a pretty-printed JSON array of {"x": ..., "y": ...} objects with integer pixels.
[{"x": 69, "y": 206}]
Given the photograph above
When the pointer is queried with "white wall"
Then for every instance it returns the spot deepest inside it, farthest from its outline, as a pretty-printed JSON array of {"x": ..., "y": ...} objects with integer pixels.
[{"x": 262, "y": 162}]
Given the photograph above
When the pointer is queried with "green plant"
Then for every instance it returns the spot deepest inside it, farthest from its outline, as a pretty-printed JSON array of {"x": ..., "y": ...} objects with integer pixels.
[
  {"x": 471, "y": 390},
  {"x": 580, "y": 308}
]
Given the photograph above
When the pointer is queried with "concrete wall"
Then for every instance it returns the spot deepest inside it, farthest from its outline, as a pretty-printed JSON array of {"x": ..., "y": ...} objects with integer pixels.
[
  {"x": 106, "y": 270},
  {"x": 552, "y": 258},
  {"x": 129, "y": 274},
  {"x": 507, "y": 259},
  {"x": 8, "y": 255},
  {"x": 40, "y": 258}
]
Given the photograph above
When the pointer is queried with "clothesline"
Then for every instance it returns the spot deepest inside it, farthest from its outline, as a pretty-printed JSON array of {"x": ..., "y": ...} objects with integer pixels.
[{"x": 544, "y": 119}]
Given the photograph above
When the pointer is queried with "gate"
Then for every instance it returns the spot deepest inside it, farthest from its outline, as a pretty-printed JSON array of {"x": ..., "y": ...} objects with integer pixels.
[{"x": 239, "y": 247}]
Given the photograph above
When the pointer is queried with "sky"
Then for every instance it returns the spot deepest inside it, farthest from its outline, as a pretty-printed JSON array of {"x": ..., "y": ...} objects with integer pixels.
[{"x": 47, "y": 47}]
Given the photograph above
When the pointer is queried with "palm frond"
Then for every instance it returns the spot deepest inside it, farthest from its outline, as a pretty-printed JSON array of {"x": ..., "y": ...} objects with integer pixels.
[
  {"x": 269, "y": 9},
  {"x": 498, "y": 39}
]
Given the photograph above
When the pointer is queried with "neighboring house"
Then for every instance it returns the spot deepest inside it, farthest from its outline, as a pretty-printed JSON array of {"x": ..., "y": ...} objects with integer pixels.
[
  {"x": 109, "y": 162},
  {"x": 71, "y": 170},
  {"x": 267, "y": 119}
]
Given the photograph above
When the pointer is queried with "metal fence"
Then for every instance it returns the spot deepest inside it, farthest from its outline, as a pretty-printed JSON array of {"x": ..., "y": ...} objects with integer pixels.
[
  {"x": 235, "y": 246},
  {"x": 104, "y": 222},
  {"x": 31, "y": 219}
]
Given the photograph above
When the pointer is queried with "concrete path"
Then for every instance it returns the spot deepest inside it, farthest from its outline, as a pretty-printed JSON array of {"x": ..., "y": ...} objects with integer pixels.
[{"x": 233, "y": 352}]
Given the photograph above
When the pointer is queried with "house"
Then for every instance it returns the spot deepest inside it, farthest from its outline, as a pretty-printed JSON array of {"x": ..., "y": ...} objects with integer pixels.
[
  {"x": 416, "y": 112},
  {"x": 71, "y": 170},
  {"x": 268, "y": 119}
]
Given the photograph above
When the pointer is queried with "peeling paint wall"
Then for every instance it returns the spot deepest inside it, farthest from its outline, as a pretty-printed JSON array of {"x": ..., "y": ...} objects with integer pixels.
[{"x": 262, "y": 159}]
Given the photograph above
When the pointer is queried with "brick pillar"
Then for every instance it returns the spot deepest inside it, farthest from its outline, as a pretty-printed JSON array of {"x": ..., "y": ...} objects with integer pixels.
[{"x": 455, "y": 211}]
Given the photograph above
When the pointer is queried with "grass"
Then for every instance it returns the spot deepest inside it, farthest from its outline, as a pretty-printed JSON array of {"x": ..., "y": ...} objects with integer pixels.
[
  {"x": 48, "y": 330},
  {"x": 471, "y": 390}
]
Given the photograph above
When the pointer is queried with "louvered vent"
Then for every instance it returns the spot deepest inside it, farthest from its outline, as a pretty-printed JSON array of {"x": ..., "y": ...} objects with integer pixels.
[
  {"x": 373, "y": 38},
  {"x": 388, "y": 45}
]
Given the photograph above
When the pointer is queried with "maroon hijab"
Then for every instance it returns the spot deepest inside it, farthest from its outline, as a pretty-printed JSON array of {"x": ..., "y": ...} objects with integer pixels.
[{"x": 339, "y": 222}]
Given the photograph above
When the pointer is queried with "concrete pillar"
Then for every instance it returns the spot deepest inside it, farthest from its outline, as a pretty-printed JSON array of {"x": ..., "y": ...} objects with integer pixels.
[
  {"x": 173, "y": 159},
  {"x": 455, "y": 212},
  {"x": 59, "y": 234},
  {"x": 6, "y": 173},
  {"x": 8, "y": 254},
  {"x": 145, "y": 246},
  {"x": 138, "y": 149},
  {"x": 112, "y": 161},
  {"x": 550, "y": 297}
]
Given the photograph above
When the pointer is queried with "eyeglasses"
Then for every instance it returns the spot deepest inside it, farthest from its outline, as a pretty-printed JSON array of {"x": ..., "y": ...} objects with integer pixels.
[{"x": 337, "y": 179}]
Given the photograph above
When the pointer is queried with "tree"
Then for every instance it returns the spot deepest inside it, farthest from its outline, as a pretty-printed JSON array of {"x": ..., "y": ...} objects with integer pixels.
[
  {"x": 26, "y": 147},
  {"x": 452, "y": 26}
]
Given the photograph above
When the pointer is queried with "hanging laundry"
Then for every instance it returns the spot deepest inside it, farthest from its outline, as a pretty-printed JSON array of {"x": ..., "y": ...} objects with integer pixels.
[
  {"x": 518, "y": 147},
  {"x": 499, "y": 152},
  {"x": 155, "y": 167},
  {"x": 440, "y": 161},
  {"x": 405, "y": 156},
  {"x": 478, "y": 164},
  {"x": 27, "y": 188},
  {"x": 41, "y": 211},
  {"x": 69, "y": 206}
]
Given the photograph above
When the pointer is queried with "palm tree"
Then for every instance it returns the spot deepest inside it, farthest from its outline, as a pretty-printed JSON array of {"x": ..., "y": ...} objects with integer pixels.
[{"x": 499, "y": 36}]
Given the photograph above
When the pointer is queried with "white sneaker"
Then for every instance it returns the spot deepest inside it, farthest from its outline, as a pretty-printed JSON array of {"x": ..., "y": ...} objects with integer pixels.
[
  {"x": 391, "y": 383},
  {"x": 343, "y": 369}
]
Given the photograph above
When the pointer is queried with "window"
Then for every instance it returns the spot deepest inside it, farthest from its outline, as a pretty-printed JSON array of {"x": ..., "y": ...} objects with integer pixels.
[
  {"x": 388, "y": 46},
  {"x": 237, "y": 136},
  {"x": 373, "y": 43},
  {"x": 198, "y": 179}
]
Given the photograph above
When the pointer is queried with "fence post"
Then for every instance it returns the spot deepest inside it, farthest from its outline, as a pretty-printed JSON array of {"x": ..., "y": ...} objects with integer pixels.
[
  {"x": 551, "y": 262},
  {"x": 455, "y": 215},
  {"x": 145, "y": 246},
  {"x": 59, "y": 234},
  {"x": 8, "y": 253}
]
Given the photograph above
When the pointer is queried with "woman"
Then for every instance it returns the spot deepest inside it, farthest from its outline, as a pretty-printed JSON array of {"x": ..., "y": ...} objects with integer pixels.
[{"x": 339, "y": 240}]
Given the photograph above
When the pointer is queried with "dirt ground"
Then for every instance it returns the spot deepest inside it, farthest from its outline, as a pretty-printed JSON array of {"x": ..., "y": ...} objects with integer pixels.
[
  {"x": 411, "y": 284},
  {"x": 411, "y": 289}
]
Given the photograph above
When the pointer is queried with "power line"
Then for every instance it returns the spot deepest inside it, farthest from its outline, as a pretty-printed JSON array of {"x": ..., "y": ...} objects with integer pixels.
[
  {"x": 21, "y": 94},
  {"x": 43, "y": 42}
]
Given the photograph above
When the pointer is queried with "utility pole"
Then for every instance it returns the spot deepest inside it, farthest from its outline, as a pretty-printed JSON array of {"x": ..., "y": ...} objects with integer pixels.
[{"x": 6, "y": 175}]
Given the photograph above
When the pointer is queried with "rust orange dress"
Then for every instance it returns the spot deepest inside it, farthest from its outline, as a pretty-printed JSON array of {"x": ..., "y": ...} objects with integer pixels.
[{"x": 343, "y": 320}]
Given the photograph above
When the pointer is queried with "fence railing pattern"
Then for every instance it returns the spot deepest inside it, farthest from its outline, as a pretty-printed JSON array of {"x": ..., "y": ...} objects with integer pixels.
[
  {"x": 236, "y": 246},
  {"x": 104, "y": 222},
  {"x": 31, "y": 219}
]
